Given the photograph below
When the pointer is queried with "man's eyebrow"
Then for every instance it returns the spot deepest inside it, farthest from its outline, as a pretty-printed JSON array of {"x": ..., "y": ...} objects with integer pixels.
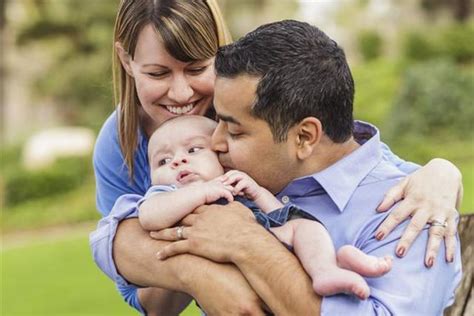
[{"x": 228, "y": 119}]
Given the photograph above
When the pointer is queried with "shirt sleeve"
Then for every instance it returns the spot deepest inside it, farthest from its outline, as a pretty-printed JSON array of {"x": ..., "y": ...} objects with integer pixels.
[
  {"x": 405, "y": 289},
  {"x": 101, "y": 242},
  {"x": 402, "y": 165},
  {"x": 111, "y": 172}
]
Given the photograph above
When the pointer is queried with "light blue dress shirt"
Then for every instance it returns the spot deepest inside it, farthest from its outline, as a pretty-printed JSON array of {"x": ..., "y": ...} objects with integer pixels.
[
  {"x": 117, "y": 197},
  {"x": 344, "y": 198}
]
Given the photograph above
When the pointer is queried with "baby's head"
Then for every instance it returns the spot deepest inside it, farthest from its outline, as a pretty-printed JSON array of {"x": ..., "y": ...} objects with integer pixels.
[{"x": 179, "y": 151}]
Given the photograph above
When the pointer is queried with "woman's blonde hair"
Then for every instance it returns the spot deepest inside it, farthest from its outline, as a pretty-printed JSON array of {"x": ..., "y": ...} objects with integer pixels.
[{"x": 191, "y": 30}]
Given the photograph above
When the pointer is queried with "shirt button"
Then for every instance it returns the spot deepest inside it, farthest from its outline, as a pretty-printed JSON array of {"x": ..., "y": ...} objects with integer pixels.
[{"x": 285, "y": 199}]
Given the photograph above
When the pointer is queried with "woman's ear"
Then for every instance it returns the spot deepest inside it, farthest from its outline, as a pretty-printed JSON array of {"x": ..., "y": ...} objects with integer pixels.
[
  {"x": 308, "y": 136},
  {"x": 124, "y": 57}
]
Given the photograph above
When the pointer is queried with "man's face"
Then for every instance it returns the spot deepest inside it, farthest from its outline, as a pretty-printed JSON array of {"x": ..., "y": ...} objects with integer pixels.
[{"x": 246, "y": 143}]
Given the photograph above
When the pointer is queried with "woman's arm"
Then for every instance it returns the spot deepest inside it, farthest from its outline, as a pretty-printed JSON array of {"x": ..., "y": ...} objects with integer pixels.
[
  {"x": 220, "y": 289},
  {"x": 156, "y": 301}
]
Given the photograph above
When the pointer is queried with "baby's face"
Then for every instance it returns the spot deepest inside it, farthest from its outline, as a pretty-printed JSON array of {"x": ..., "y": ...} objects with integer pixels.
[{"x": 180, "y": 153}]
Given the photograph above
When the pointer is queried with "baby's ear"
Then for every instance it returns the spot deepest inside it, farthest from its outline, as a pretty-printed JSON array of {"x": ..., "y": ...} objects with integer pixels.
[{"x": 308, "y": 134}]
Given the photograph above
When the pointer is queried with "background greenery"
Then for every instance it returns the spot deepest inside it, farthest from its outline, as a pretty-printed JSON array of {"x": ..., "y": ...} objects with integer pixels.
[{"x": 417, "y": 88}]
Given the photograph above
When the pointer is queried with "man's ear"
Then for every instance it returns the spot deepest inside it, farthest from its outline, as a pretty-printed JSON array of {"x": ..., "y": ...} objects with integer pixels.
[
  {"x": 308, "y": 135},
  {"x": 124, "y": 57}
]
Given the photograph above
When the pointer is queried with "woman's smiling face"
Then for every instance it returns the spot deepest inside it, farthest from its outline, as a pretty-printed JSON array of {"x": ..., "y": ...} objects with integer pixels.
[{"x": 167, "y": 87}]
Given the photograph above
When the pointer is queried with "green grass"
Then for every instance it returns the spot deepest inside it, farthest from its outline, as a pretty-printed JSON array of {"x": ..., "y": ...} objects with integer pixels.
[{"x": 59, "y": 278}]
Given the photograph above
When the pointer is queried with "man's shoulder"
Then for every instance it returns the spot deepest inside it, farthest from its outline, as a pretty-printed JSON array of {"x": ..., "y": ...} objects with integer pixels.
[{"x": 383, "y": 172}]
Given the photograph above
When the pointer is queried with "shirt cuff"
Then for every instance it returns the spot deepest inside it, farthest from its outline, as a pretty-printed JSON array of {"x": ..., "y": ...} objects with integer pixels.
[{"x": 101, "y": 240}]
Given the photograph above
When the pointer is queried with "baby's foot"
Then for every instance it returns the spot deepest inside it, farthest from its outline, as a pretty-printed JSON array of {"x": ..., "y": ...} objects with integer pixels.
[
  {"x": 336, "y": 280},
  {"x": 351, "y": 258}
]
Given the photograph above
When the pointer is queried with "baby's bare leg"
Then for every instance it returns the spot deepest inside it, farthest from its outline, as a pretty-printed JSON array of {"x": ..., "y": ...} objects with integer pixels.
[
  {"x": 315, "y": 250},
  {"x": 352, "y": 258}
]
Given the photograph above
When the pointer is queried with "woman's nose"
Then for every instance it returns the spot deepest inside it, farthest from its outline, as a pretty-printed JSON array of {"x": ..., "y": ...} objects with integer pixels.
[{"x": 180, "y": 90}]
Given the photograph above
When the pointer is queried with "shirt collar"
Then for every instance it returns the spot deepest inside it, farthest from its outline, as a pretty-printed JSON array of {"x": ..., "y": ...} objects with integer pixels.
[{"x": 342, "y": 178}]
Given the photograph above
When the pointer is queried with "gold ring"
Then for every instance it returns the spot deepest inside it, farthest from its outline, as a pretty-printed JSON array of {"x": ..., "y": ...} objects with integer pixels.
[
  {"x": 179, "y": 232},
  {"x": 439, "y": 223}
]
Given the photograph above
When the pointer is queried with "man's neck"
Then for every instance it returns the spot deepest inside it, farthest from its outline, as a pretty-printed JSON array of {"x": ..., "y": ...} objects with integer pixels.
[{"x": 326, "y": 154}]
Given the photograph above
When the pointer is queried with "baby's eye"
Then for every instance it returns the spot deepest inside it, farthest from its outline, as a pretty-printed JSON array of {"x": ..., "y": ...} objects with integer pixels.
[
  {"x": 164, "y": 161},
  {"x": 194, "y": 149}
]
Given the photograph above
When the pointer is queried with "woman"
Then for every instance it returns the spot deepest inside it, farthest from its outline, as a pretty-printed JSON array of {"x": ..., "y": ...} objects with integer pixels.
[{"x": 164, "y": 57}]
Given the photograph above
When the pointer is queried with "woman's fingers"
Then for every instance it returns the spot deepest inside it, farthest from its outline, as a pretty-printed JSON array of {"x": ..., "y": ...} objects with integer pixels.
[
  {"x": 436, "y": 234},
  {"x": 393, "y": 195},
  {"x": 450, "y": 235},
  {"x": 398, "y": 215},
  {"x": 417, "y": 223}
]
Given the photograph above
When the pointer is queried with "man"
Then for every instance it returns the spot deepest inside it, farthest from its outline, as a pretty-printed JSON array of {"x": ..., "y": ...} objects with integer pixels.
[{"x": 284, "y": 98}]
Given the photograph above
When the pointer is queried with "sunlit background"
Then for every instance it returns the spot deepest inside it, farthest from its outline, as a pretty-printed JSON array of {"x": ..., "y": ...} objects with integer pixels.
[{"x": 412, "y": 61}]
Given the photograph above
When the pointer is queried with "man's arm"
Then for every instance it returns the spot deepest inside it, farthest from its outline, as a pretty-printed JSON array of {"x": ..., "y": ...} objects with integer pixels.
[
  {"x": 219, "y": 288},
  {"x": 231, "y": 234}
]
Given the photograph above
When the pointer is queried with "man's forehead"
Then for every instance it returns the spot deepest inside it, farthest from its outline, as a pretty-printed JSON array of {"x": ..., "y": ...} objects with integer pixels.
[{"x": 234, "y": 97}]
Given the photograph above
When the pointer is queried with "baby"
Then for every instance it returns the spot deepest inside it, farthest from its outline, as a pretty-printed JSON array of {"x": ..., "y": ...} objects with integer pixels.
[{"x": 186, "y": 174}]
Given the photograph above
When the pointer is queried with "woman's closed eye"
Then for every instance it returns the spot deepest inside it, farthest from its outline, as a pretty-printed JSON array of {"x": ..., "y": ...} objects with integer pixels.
[
  {"x": 158, "y": 74},
  {"x": 197, "y": 70}
]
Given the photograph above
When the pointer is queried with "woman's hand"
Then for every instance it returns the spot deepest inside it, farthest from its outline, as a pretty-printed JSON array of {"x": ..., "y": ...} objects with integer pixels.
[{"x": 429, "y": 195}]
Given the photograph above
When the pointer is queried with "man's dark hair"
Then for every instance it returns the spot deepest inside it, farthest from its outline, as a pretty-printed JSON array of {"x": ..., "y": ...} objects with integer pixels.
[{"x": 302, "y": 73}]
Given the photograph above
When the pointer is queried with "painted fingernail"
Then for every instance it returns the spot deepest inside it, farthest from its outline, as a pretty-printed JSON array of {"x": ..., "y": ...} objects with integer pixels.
[
  {"x": 430, "y": 262},
  {"x": 380, "y": 235},
  {"x": 401, "y": 252}
]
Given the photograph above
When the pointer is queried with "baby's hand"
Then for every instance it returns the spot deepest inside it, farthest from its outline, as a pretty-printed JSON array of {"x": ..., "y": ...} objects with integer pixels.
[
  {"x": 242, "y": 184},
  {"x": 215, "y": 189}
]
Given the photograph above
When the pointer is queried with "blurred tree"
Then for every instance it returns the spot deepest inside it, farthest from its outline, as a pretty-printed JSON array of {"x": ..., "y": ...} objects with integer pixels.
[
  {"x": 370, "y": 44},
  {"x": 77, "y": 38},
  {"x": 461, "y": 9},
  {"x": 3, "y": 9},
  {"x": 453, "y": 41},
  {"x": 435, "y": 101}
]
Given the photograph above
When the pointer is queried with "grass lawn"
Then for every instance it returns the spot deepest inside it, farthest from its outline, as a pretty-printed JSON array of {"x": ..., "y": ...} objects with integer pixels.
[{"x": 59, "y": 278}]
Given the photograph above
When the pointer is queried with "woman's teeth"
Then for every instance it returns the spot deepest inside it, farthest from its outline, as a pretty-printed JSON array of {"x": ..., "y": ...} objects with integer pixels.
[{"x": 181, "y": 109}]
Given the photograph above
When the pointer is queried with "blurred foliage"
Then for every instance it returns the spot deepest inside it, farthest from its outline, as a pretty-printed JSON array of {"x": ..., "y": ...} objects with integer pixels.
[
  {"x": 435, "y": 100},
  {"x": 376, "y": 84},
  {"x": 454, "y": 41},
  {"x": 76, "y": 38},
  {"x": 369, "y": 44},
  {"x": 66, "y": 174},
  {"x": 70, "y": 207}
]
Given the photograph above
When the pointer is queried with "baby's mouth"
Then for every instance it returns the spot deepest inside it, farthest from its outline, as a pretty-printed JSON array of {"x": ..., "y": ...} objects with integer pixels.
[
  {"x": 185, "y": 177},
  {"x": 179, "y": 110}
]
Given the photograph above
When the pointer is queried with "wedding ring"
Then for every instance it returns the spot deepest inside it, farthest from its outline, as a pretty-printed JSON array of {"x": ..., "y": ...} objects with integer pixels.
[
  {"x": 179, "y": 232},
  {"x": 439, "y": 223}
]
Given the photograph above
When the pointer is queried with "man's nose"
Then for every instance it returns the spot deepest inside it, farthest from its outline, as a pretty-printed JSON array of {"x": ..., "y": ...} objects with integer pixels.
[
  {"x": 180, "y": 91},
  {"x": 218, "y": 140}
]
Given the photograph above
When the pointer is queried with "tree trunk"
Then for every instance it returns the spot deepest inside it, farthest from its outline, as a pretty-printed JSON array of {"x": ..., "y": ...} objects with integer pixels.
[{"x": 464, "y": 302}]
